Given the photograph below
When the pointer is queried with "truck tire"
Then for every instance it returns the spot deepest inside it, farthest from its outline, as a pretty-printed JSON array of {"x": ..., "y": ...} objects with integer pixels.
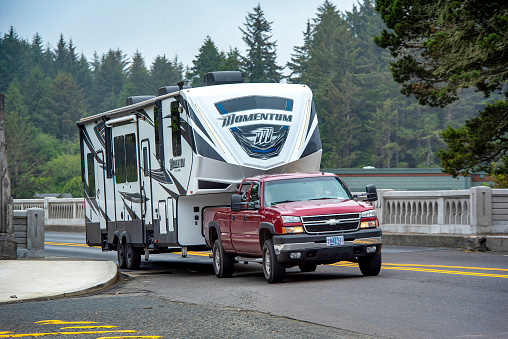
[
  {"x": 371, "y": 265},
  {"x": 273, "y": 270},
  {"x": 120, "y": 254},
  {"x": 223, "y": 263},
  {"x": 307, "y": 267},
  {"x": 132, "y": 257}
]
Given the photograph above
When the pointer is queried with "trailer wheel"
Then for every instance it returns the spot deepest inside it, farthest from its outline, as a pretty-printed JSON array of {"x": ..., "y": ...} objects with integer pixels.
[
  {"x": 371, "y": 265},
  {"x": 273, "y": 270},
  {"x": 120, "y": 254},
  {"x": 307, "y": 267},
  {"x": 132, "y": 257},
  {"x": 223, "y": 263}
]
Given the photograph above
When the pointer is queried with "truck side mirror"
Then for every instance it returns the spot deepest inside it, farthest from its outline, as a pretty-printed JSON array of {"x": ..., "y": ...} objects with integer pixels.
[
  {"x": 236, "y": 202},
  {"x": 371, "y": 193}
]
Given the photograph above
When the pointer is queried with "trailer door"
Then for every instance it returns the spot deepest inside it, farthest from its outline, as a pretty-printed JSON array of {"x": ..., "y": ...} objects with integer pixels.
[
  {"x": 101, "y": 191},
  {"x": 146, "y": 183}
]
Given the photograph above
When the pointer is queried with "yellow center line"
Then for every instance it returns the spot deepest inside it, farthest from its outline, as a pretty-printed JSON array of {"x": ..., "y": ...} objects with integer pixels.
[
  {"x": 87, "y": 327},
  {"x": 21, "y": 335},
  {"x": 61, "y": 322},
  {"x": 444, "y": 266},
  {"x": 420, "y": 268}
]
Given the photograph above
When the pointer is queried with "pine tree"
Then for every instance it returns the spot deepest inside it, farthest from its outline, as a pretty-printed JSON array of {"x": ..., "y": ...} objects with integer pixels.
[
  {"x": 164, "y": 72},
  {"x": 138, "y": 77},
  {"x": 300, "y": 57},
  {"x": 65, "y": 106},
  {"x": 260, "y": 62},
  {"x": 209, "y": 59}
]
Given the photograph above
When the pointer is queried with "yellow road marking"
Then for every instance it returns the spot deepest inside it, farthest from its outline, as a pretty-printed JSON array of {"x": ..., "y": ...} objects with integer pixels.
[
  {"x": 420, "y": 268},
  {"x": 83, "y": 327},
  {"x": 62, "y": 333},
  {"x": 444, "y": 266},
  {"x": 61, "y": 322}
]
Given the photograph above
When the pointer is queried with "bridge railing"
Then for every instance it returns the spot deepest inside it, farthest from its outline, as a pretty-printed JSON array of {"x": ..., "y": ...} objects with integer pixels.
[
  {"x": 478, "y": 210},
  {"x": 57, "y": 212}
]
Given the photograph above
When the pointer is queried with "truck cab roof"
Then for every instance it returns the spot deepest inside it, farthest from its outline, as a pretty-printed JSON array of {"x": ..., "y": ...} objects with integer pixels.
[{"x": 283, "y": 176}]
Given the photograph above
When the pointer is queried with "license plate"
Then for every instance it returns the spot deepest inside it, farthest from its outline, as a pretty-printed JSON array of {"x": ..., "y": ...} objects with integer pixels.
[{"x": 334, "y": 241}]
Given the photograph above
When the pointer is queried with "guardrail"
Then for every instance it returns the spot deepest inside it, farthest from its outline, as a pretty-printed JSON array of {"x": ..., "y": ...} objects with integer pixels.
[{"x": 479, "y": 210}]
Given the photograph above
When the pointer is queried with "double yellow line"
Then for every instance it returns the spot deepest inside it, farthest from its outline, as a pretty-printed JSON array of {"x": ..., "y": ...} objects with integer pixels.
[{"x": 443, "y": 269}]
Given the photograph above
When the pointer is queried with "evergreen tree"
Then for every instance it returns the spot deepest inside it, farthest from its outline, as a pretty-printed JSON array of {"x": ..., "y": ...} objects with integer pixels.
[
  {"x": 260, "y": 62},
  {"x": 165, "y": 72},
  {"x": 209, "y": 59},
  {"x": 138, "y": 75},
  {"x": 300, "y": 57},
  {"x": 65, "y": 107},
  {"x": 24, "y": 160}
]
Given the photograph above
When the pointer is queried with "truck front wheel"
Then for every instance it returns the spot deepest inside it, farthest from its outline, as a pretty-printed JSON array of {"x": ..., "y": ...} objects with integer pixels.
[
  {"x": 273, "y": 270},
  {"x": 223, "y": 263},
  {"x": 370, "y": 265}
]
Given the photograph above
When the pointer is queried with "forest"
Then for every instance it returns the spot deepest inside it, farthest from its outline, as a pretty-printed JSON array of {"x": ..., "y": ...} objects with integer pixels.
[{"x": 364, "y": 118}]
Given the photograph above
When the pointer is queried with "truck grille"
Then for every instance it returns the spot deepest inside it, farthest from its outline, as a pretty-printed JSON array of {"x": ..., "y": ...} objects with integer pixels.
[{"x": 331, "y": 223}]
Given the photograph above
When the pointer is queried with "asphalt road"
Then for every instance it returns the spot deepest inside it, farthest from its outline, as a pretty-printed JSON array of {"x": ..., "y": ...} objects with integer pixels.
[{"x": 420, "y": 293}]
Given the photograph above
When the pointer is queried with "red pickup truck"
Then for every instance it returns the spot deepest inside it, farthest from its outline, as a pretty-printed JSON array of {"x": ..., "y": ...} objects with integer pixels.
[{"x": 294, "y": 219}]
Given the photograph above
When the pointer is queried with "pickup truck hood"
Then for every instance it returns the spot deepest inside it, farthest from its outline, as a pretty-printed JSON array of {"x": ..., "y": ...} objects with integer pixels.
[{"x": 320, "y": 207}]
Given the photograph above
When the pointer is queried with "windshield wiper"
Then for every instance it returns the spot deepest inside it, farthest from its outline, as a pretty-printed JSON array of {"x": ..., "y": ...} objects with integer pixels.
[{"x": 322, "y": 198}]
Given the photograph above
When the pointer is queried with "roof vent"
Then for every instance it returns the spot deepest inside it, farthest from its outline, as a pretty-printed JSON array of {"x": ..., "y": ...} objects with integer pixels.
[
  {"x": 136, "y": 99},
  {"x": 171, "y": 89},
  {"x": 223, "y": 77}
]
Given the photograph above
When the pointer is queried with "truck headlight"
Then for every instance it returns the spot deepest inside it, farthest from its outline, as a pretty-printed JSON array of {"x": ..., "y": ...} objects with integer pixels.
[
  {"x": 369, "y": 214},
  {"x": 286, "y": 219}
]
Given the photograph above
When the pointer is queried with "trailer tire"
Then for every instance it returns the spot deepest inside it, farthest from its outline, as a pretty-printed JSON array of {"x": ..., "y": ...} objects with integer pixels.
[
  {"x": 273, "y": 270},
  {"x": 120, "y": 254},
  {"x": 371, "y": 265},
  {"x": 132, "y": 257},
  {"x": 223, "y": 263},
  {"x": 307, "y": 267}
]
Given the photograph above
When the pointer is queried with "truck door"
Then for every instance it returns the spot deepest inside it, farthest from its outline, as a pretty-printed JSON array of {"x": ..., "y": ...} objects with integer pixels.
[{"x": 245, "y": 223}]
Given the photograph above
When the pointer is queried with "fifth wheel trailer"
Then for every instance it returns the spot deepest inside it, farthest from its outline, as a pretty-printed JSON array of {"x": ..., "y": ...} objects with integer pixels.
[{"x": 150, "y": 168}]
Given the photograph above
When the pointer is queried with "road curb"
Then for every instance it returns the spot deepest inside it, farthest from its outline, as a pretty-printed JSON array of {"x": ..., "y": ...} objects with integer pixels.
[{"x": 496, "y": 243}]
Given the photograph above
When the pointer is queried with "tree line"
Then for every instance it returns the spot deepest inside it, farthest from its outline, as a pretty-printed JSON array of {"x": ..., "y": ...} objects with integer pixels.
[{"x": 364, "y": 119}]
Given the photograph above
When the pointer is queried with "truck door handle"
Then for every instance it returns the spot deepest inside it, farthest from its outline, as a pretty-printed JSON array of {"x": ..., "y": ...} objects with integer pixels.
[
  {"x": 233, "y": 218},
  {"x": 244, "y": 217}
]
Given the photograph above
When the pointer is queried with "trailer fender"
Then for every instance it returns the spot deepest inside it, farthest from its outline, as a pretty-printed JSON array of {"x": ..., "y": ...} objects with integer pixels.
[{"x": 120, "y": 236}]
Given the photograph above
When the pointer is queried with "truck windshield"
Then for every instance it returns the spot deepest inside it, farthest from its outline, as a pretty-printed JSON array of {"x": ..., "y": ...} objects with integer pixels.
[{"x": 303, "y": 189}]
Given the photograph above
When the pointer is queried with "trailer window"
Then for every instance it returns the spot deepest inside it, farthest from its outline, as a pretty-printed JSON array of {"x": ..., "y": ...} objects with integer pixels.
[
  {"x": 254, "y": 102},
  {"x": 91, "y": 175},
  {"x": 119, "y": 147},
  {"x": 131, "y": 159},
  {"x": 176, "y": 132}
]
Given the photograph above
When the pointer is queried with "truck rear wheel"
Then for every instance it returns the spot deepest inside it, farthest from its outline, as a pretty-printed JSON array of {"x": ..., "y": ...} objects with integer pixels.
[
  {"x": 120, "y": 254},
  {"x": 223, "y": 263},
  {"x": 273, "y": 270},
  {"x": 132, "y": 257},
  {"x": 371, "y": 265}
]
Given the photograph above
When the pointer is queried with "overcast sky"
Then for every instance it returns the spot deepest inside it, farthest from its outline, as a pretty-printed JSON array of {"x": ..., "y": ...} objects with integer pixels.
[{"x": 157, "y": 27}]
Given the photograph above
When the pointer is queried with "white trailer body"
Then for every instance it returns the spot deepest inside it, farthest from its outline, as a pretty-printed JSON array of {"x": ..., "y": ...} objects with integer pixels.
[{"x": 150, "y": 168}]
